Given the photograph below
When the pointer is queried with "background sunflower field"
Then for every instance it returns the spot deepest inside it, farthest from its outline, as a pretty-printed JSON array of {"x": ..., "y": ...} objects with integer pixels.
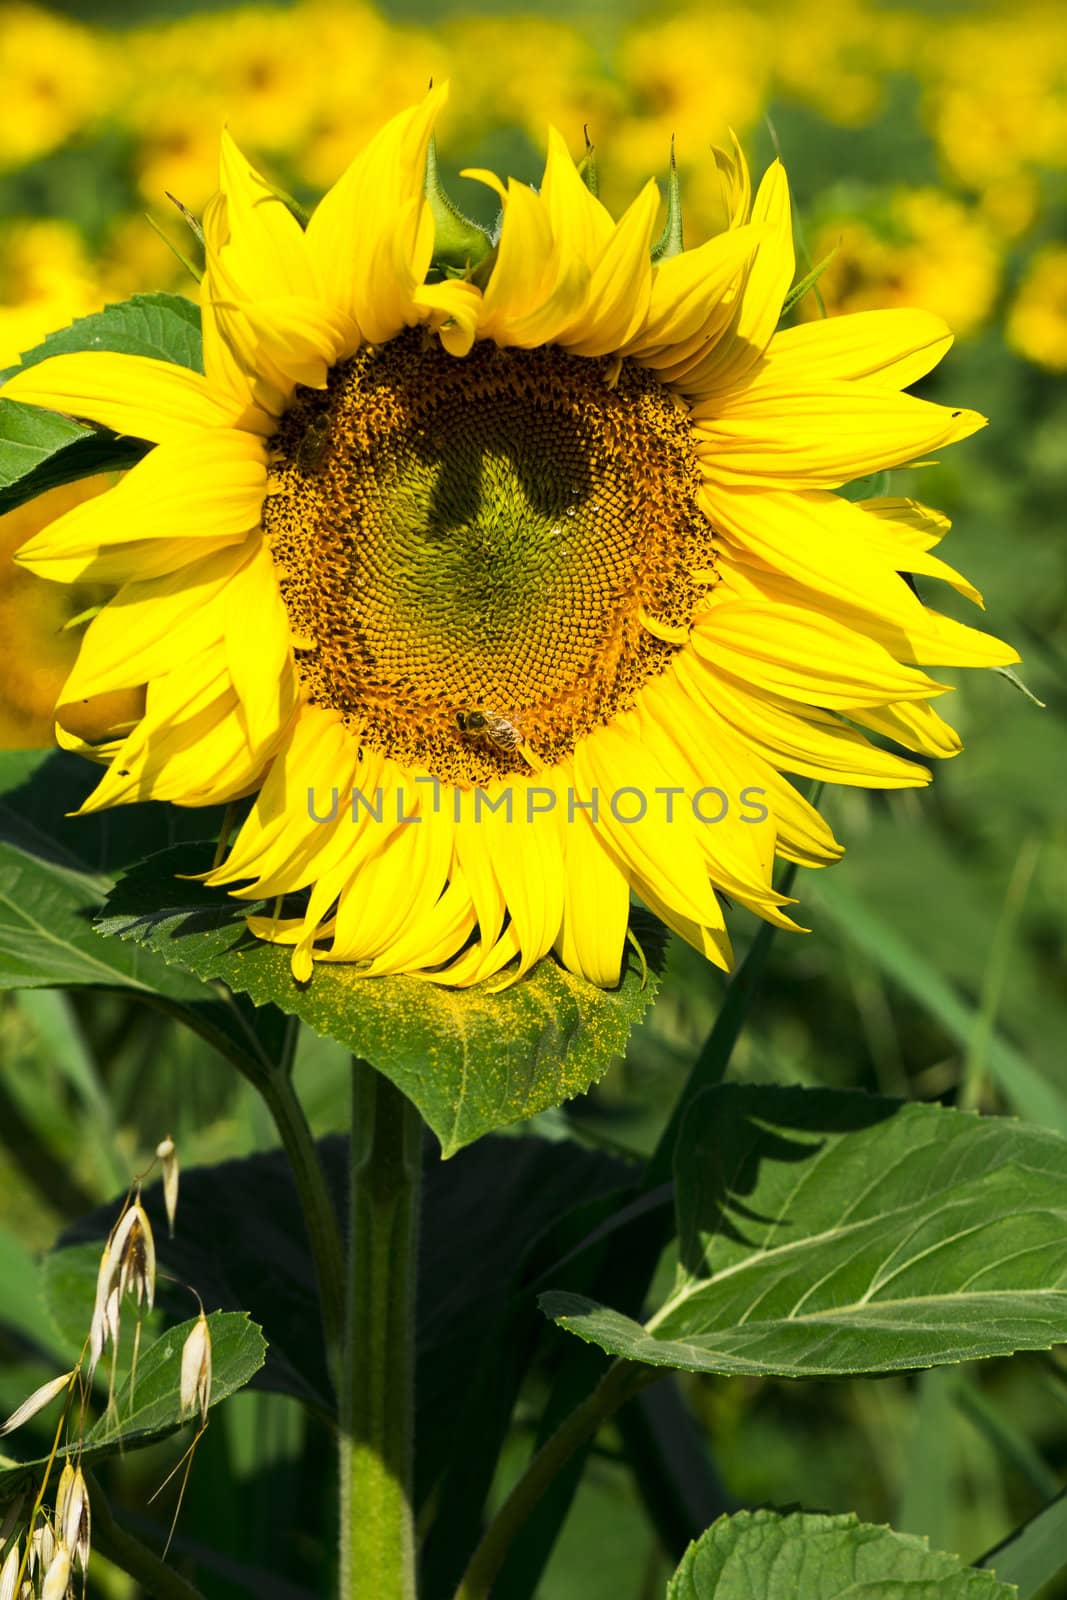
[{"x": 926, "y": 146}]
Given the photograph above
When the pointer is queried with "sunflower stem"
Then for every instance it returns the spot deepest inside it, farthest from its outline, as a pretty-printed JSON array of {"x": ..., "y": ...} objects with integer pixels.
[{"x": 377, "y": 1558}]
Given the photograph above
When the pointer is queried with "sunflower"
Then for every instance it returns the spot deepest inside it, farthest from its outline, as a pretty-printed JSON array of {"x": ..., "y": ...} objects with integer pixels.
[{"x": 505, "y": 594}]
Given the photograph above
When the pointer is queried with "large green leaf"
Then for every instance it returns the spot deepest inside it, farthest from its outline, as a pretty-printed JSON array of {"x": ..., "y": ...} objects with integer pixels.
[
  {"x": 824, "y": 1232},
  {"x": 47, "y": 939},
  {"x": 39, "y": 789},
  {"x": 29, "y": 436},
  {"x": 40, "y": 449},
  {"x": 237, "y": 1352},
  {"x": 470, "y": 1060},
  {"x": 164, "y": 327},
  {"x": 89, "y": 451},
  {"x": 54, "y": 872},
  {"x": 813, "y": 1557}
]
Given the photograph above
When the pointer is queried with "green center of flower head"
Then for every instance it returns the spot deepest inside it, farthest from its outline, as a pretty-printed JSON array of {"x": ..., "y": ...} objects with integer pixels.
[{"x": 484, "y": 559}]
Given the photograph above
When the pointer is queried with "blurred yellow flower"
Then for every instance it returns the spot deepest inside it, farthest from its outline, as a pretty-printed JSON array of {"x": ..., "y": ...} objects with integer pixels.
[
  {"x": 691, "y": 77},
  {"x": 53, "y": 80},
  {"x": 926, "y": 249},
  {"x": 834, "y": 56},
  {"x": 1037, "y": 321},
  {"x": 996, "y": 98},
  {"x": 46, "y": 280},
  {"x": 362, "y": 68},
  {"x": 37, "y": 654}
]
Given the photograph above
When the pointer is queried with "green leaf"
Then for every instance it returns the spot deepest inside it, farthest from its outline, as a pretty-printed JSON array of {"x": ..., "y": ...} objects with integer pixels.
[
  {"x": 470, "y": 1060},
  {"x": 47, "y": 939},
  {"x": 39, "y": 789},
  {"x": 41, "y": 450},
  {"x": 90, "y": 451},
  {"x": 165, "y": 327},
  {"x": 29, "y": 436},
  {"x": 237, "y": 1353},
  {"x": 55, "y": 870},
  {"x": 825, "y": 1233},
  {"x": 1035, "y": 1553},
  {"x": 808, "y": 1556}
]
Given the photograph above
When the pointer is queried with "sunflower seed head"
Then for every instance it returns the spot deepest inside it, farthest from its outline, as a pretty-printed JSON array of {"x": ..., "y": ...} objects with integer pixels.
[
  {"x": 167, "y": 1152},
  {"x": 36, "y": 1402},
  {"x": 196, "y": 1371}
]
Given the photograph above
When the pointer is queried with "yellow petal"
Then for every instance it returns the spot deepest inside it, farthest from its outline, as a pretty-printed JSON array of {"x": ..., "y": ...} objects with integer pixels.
[
  {"x": 134, "y": 395},
  {"x": 150, "y": 624},
  {"x": 801, "y": 655},
  {"x": 524, "y": 842},
  {"x": 736, "y": 832},
  {"x": 188, "y": 747},
  {"x": 903, "y": 531},
  {"x": 538, "y": 284},
  {"x": 803, "y": 835},
  {"x": 916, "y": 726},
  {"x": 819, "y": 436},
  {"x": 687, "y": 301},
  {"x": 612, "y": 765},
  {"x": 891, "y": 349},
  {"x": 765, "y": 288},
  {"x": 258, "y": 648},
  {"x": 265, "y": 250},
  {"x": 818, "y": 545},
  {"x": 317, "y": 754},
  {"x": 453, "y": 308},
  {"x": 364, "y": 234},
  {"x": 401, "y": 882},
  {"x": 815, "y": 745},
  {"x": 200, "y": 493},
  {"x": 596, "y": 905},
  {"x": 620, "y": 284},
  {"x": 573, "y": 211}
]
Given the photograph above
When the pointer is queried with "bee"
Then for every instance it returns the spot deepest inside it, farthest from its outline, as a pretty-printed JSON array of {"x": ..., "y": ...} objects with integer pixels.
[
  {"x": 313, "y": 444},
  {"x": 475, "y": 724}
]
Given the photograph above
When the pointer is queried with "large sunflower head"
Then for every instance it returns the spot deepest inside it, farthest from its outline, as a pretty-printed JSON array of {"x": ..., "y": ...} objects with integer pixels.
[{"x": 508, "y": 592}]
